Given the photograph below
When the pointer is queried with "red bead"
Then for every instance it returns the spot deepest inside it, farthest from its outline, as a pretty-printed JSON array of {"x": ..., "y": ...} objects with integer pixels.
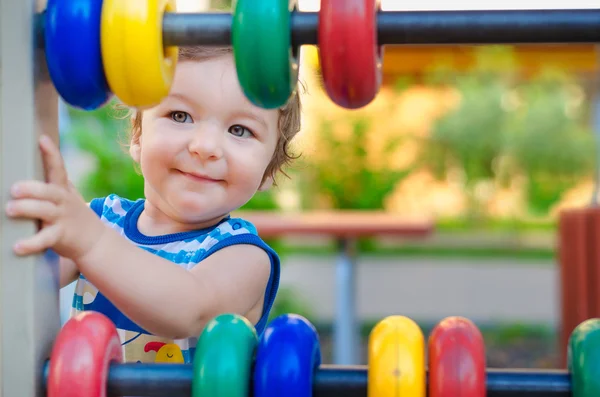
[
  {"x": 349, "y": 55},
  {"x": 456, "y": 359},
  {"x": 81, "y": 355}
]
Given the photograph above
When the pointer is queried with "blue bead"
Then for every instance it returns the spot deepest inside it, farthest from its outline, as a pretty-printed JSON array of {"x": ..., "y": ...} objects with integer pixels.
[
  {"x": 73, "y": 52},
  {"x": 287, "y": 356}
]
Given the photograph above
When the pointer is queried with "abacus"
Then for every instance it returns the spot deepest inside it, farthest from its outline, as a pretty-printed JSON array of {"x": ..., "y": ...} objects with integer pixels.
[{"x": 88, "y": 51}]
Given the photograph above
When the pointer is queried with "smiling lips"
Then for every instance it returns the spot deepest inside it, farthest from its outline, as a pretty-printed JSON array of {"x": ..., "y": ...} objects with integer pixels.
[{"x": 200, "y": 177}]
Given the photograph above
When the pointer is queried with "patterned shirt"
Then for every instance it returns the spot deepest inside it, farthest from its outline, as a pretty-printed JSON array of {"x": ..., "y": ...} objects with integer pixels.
[{"x": 186, "y": 249}]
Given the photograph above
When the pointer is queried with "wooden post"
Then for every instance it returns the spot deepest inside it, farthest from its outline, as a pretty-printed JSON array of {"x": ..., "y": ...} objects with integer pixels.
[
  {"x": 28, "y": 285},
  {"x": 579, "y": 258}
]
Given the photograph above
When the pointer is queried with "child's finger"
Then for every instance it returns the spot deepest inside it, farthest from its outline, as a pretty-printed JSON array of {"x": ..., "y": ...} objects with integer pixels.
[
  {"x": 43, "y": 210},
  {"x": 38, "y": 190},
  {"x": 53, "y": 162},
  {"x": 44, "y": 239}
]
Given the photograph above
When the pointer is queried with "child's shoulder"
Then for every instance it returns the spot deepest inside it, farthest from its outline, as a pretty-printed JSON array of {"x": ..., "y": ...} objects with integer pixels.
[
  {"x": 232, "y": 231},
  {"x": 236, "y": 226}
]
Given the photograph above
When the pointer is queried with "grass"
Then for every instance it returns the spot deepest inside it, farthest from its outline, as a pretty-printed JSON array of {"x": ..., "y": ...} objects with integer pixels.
[
  {"x": 494, "y": 225},
  {"x": 531, "y": 346},
  {"x": 503, "y": 241},
  {"x": 430, "y": 251}
]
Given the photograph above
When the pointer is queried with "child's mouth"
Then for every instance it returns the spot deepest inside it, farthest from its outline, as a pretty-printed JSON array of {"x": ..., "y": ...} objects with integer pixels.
[{"x": 200, "y": 177}]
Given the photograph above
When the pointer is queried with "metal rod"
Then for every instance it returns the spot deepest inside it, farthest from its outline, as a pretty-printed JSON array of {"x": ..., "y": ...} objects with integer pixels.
[
  {"x": 157, "y": 380},
  {"x": 152, "y": 380},
  {"x": 345, "y": 333},
  {"x": 414, "y": 27}
]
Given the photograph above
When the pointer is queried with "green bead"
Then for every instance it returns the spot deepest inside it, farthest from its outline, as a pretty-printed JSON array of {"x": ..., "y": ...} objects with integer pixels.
[
  {"x": 262, "y": 45},
  {"x": 584, "y": 359},
  {"x": 223, "y": 358}
]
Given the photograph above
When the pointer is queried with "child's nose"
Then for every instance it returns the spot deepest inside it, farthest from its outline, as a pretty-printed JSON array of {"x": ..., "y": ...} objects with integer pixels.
[{"x": 207, "y": 145}]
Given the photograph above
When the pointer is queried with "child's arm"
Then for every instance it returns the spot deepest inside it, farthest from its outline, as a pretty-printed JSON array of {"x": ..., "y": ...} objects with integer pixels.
[
  {"x": 68, "y": 271},
  {"x": 171, "y": 301},
  {"x": 155, "y": 293}
]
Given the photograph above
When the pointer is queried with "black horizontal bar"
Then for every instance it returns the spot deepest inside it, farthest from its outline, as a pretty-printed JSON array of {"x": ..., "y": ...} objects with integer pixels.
[
  {"x": 414, "y": 27},
  {"x": 175, "y": 380}
]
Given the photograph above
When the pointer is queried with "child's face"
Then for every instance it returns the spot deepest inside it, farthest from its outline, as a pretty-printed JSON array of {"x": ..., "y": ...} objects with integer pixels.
[{"x": 204, "y": 150}]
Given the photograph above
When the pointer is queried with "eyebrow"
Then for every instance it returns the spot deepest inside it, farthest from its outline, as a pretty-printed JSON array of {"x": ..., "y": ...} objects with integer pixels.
[
  {"x": 252, "y": 116},
  {"x": 181, "y": 97}
]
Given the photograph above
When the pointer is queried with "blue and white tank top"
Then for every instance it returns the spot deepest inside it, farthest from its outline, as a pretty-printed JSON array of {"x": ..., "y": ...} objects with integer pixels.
[{"x": 186, "y": 249}]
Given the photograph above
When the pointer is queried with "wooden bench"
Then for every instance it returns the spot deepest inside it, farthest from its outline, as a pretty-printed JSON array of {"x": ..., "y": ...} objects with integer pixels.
[{"x": 345, "y": 227}]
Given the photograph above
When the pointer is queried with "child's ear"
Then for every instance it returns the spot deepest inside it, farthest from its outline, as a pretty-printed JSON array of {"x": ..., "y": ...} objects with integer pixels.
[
  {"x": 135, "y": 149},
  {"x": 266, "y": 184}
]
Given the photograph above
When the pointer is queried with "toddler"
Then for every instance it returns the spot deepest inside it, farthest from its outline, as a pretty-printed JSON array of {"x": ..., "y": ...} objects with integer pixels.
[{"x": 162, "y": 267}]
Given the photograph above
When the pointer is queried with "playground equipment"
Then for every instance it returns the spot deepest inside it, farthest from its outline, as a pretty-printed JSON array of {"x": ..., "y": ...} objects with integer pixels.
[
  {"x": 286, "y": 360},
  {"x": 89, "y": 50}
]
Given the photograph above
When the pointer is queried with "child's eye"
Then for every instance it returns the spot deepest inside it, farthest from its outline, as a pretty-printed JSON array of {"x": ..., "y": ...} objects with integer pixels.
[
  {"x": 240, "y": 131},
  {"x": 180, "y": 117}
]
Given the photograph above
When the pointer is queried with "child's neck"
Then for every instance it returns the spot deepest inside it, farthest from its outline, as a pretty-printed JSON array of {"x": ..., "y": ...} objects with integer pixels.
[{"x": 153, "y": 222}]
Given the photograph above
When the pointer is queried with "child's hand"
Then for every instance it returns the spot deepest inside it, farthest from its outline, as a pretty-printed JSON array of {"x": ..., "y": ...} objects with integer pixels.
[{"x": 68, "y": 225}]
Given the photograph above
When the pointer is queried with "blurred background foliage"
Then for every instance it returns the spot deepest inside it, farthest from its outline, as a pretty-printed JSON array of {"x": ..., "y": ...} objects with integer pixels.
[
  {"x": 500, "y": 131},
  {"x": 507, "y": 148}
]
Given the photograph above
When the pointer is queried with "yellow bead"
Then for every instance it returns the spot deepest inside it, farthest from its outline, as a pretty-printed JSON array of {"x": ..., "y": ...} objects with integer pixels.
[
  {"x": 396, "y": 359},
  {"x": 139, "y": 70}
]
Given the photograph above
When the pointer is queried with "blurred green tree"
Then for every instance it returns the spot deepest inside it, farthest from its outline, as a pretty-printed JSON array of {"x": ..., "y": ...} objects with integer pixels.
[
  {"x": 506, "y": 127},
  {"x": 343, "y": 173},
  {"x": 549, "y": 140}
]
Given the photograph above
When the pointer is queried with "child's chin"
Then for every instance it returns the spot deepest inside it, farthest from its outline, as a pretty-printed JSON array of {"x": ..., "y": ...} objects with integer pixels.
[{"x": 194, "y": 209}]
